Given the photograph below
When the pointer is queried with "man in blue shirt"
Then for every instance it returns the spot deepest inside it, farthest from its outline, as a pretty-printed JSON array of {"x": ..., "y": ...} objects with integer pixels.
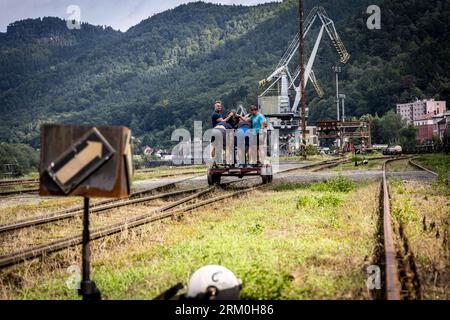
[
  {"x": 257, "y": 119},
  {"x": 258, "y": 122}
]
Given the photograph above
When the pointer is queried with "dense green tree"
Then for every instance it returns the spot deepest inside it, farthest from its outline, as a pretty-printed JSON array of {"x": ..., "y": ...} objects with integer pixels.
[
  {"x": 407, "y": 136},
  {"x": 166, "y": 71}
]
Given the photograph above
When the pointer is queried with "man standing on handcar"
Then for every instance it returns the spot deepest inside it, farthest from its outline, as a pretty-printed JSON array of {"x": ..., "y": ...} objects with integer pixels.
[{"x": 259, "y": 122}]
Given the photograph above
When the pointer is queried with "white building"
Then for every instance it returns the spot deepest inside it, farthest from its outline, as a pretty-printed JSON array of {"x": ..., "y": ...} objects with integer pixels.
[{"x": 414, "y": 110}]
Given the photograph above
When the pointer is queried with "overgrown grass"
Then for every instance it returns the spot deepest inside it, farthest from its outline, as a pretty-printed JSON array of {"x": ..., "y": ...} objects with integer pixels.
[
  {"x": 439, "y": 162},
  {"x": 374, "y": 154},
  {"x": 279, "y": 250},
  {"x": 400, "y": 165},
  {"x": 422, "y": 212},
  {"x": 324, "y": 200},
  {"x": 336, "y": 184},
  {"x": 371, "y": 165}
]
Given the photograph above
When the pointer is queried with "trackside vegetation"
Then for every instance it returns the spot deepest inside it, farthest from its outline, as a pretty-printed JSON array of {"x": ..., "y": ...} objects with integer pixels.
[{"x": 280, "y": 245}]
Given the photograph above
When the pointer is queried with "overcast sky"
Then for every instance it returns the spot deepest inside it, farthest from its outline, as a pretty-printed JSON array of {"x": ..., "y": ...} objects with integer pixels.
[{"x": 119, "y": 14}]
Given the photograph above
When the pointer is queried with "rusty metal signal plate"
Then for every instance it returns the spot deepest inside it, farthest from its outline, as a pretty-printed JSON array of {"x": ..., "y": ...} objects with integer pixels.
[
  {"x": 85, "y": 160},
  {"x": 80, "y": 160}
]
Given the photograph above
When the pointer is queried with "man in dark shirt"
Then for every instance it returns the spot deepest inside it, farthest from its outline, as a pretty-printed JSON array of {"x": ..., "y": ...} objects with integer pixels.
[{"x": 217, "y": 116}]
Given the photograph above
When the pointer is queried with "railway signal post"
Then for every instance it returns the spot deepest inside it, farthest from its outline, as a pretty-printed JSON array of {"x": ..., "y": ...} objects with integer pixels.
[
  {"x": 88, "y": 289},
  {"x": 90, "y": 162}
]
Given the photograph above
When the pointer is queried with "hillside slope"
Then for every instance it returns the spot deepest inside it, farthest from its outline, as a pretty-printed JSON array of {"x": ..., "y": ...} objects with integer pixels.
[{"x": 166, "y": 71}]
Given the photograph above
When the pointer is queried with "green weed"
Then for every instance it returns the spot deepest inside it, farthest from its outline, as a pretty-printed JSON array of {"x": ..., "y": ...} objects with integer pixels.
[
  {"x": 322, "y": 200},
  {"x": 338, "y": 184}
]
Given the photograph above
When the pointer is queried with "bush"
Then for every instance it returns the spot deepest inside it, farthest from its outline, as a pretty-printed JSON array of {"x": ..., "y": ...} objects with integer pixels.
[
  {"x": 330, "y": 200},
  {"x": 325, "y": 200},
  {"x": 304, "y": 201},
  {"x": 338, "y": 184}
]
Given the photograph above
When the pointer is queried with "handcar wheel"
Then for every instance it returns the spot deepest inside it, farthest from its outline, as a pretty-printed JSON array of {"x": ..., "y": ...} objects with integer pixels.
[
  {"x": 210, "y": 179},
  {"x": 217, "y": 179}
]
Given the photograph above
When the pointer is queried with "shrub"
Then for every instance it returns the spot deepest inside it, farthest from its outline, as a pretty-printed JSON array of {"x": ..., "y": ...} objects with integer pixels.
[
  {"x": 338, "y": 184},
  {"x": 330, "y": 200},
  {"x": 325, "y": 200},
  {"x": 304, "y": 201}
]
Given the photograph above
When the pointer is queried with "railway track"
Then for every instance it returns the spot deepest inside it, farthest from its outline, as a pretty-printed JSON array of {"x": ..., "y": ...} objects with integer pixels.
[
  {"x": 163, "y": 212},
  {"x": 16, "y": 192},
  {"x": 70, "y": 213},
  {"x": 154, "y": 215},
  {"x": 394, "y": 285},
  {"x": 18, "y": 186},
  {"x": 415, "y": 164},
  {"x": 24, "y": 182},
  {"x": 135, "y": 198},
  {"x": 99, "y": 205},
  {"x": 7, "y": 183},
  {"x": 167, "y": 175},
  {"x": 18, "y": 183}
]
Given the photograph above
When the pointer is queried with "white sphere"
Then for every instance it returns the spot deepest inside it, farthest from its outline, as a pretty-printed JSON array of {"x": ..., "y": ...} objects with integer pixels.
[{"x": 214, "y": 276}]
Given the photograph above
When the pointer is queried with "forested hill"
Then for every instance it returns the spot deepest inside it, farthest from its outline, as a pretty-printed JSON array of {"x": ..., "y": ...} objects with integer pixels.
[{"x": 166, "y": 71}]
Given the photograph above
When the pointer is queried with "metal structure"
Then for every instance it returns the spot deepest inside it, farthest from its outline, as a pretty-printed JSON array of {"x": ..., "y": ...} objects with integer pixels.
[
  {"x": 275, "y": 100},
  {"x": 11, "y": 170},
  {"x": 340, "y": 131}
]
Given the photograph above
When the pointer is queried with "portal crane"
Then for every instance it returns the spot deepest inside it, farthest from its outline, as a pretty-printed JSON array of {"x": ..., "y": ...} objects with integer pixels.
[{"x": 286, "y": 79}]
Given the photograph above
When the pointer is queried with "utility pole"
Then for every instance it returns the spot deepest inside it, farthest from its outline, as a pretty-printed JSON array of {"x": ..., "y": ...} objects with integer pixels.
[
  {"x": 337, "y": 70},
  {"x": 342, "y": 97},
  {"x": 301, "y": 55}
]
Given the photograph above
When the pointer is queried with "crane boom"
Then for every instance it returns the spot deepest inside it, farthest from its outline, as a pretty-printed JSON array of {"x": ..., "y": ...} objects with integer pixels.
[{"x": 282, "y": 70}]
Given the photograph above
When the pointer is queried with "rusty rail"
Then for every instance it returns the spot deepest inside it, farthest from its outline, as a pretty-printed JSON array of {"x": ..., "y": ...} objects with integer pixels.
[
  {"x": 415, "y": 164},
  {"x": 13, "y": 192},
  {"x": 154, "y": 215},
  {"x": 99, "y": 208},
  {"x": 17, "y": 182},
  {"x": 393, "y": 286}
]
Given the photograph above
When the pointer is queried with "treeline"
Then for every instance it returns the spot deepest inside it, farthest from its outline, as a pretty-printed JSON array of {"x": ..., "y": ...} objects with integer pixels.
[
  {"x": 391, "y": 129},
  {"x": 166, "y": 71}
]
